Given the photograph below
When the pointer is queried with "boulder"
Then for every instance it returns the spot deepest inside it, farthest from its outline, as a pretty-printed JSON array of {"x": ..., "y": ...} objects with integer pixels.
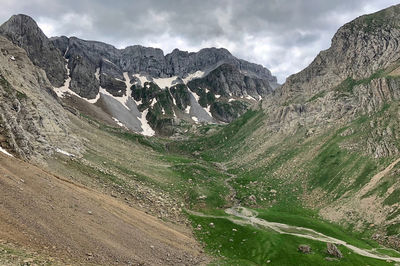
[
  {"x": 306, "y": 249},
  {"x": 332, "y": 250}
]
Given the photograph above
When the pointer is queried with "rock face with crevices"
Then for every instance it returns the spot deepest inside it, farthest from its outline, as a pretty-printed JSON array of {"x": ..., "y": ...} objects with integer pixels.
[
  {"x": 23, "y": 31},
  {"x": 33, "y": 123},
  {"x": 332, "y": 250},
  {"x": 226, "y": 86}
]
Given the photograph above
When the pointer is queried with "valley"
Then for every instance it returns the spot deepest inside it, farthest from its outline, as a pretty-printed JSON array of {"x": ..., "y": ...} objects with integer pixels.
[{"x": 131, "y": 157}]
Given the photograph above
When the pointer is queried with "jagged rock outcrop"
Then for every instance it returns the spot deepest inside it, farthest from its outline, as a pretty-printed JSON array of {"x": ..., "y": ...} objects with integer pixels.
[
  {"x": 359, "y": 49},
  {"x": 32, "y": 120},
  {"x": 151, "y": 62},
  {"x": 345, "y": 106},
  {"x": 353, "y": 76},
  {"x": 23, "y": 31},
  {"x": 227, "y": 80}
]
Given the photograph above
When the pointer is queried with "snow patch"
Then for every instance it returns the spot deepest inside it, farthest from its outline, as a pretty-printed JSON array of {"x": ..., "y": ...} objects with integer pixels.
[
  {"x": 119, "y": 123},
  {"x": 195, "y": 75},
  {"x": 197, "y": 97},
  {"x": 217, "y": 96},
  {"x": 173, "y": 99},
  {"x": 153, "y": 102},
  {"x": 187, "y": 110},
  {"x": 248, "y": 97},
  {"x": 231, "y": 100},
  {"x": 195, "y": 119},
  {"x": 142, "y": 79},
  {"x": 65, "y": 89},
  {"x": 108, "y": 61},
  {"x": 123, "y": 99},
  {"x": 5, "y": 152},
  {"x": 97, "y": 74},
  {"x": 64, "y": 152},
  {"x": 164, "y": 82},
  {"x": 208, "y": 110},
  {"x": 147, "y": 130}
]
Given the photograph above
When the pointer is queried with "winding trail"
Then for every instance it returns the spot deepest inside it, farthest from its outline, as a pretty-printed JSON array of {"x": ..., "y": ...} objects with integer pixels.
[
  {"x": 231, "y": 197},
  {"x": 243, "y": 216}
]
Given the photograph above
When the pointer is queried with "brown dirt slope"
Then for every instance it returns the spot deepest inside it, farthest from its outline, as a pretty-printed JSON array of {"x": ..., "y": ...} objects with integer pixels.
[{"x": 52, "y": 215}]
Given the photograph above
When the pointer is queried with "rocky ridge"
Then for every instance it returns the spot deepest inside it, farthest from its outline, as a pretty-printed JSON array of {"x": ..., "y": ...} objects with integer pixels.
[
  {"x": 353, "y": 89},
  {"x": 225, "y": 86}
]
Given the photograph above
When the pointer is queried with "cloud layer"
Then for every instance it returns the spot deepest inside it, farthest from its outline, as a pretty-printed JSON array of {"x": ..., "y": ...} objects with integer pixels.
[{"x": 283, "y": 35}]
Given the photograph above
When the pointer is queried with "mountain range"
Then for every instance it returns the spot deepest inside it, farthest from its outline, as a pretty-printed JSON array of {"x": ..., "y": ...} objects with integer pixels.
[
  {"x": 199, "y": 157},
  {"x": 139, "y": 87}
]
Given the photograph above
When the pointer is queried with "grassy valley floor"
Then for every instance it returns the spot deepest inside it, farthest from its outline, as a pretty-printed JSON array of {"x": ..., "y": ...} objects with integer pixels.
[{"x": 189, "y": 184}]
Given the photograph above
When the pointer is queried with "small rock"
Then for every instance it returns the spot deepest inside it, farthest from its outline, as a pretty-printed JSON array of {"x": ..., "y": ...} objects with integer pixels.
[
  {"x": 268, "y": 261},
  {"x": 306, "y": 249},
  {"x": 331, "y": 259},
  {"x": 30, "y": 260},
  {"x": 333, "y": 250},
  {"x": 90, "y": 212},
  {"x": 252, "y": 198},
  {"x": 234, "y": 230},
  {"x": 212, "y": 225}
]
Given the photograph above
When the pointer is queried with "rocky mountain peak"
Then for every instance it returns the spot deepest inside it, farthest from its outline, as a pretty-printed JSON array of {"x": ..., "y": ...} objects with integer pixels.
[
  {"x": 358, "y": 50},
  {"x": 23, "y": 31},
  {"x": 140, "y": 86}
]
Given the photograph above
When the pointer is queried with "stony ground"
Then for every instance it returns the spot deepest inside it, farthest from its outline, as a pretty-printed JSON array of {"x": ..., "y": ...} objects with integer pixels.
[{"x": 50, "y": 214}]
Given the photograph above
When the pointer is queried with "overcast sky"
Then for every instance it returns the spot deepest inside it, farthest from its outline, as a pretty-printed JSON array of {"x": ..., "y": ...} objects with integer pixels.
[{"x": 283, "y": 35}]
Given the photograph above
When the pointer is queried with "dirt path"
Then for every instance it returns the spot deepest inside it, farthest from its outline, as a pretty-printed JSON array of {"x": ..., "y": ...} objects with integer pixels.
[
  {"x": 231, "y": 197},
  {"x": 249, "y": 217},
  {"x": 69, "y": 221}
]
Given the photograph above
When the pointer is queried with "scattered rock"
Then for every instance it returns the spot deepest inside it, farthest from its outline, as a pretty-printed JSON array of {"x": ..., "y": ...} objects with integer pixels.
[
  {"x": 253, "y": 198},
  {"x": 306, "y": 249},
  {"x": 333, "y": 250}
]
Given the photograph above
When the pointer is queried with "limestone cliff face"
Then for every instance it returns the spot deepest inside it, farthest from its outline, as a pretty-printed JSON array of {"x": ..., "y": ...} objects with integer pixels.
[
  {"x": 89, "y": 69},
  {"x": 32, "y": 121},
  {"x": 354, "y": 76},
  {"x": 345, "y": 106},
  {"x": 358, "y": 50},
  {"x": 87, "y": 56},
  {"x": 24, "y": 32}
]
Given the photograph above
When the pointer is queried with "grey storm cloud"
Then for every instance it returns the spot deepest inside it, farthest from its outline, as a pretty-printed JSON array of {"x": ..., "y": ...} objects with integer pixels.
[{"x": 283, "y": 35}]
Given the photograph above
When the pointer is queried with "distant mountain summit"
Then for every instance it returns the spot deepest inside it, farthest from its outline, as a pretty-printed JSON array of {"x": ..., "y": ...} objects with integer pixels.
[
  {"x": 23, "y": 31},
  {"x": 141, "y": 88}
]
